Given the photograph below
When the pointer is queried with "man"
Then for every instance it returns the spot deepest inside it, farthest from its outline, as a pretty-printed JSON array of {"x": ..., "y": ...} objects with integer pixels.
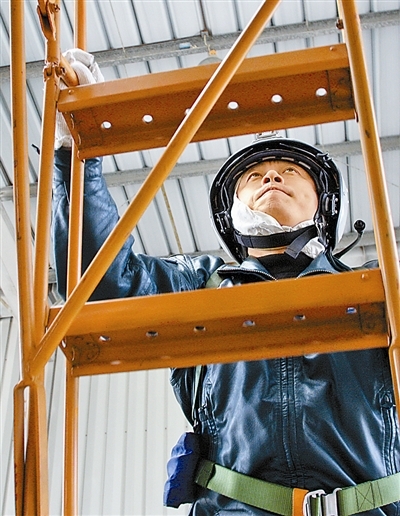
[{"x": 315, "y": 422}]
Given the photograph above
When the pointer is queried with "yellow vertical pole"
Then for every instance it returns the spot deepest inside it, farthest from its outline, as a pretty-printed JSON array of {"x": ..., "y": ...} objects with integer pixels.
[
  {"x": 19, "y": 446},
  {"x": 379, "y": 198},
  {"x": 31, "y": 495},
  {"x": 80, "y": 24},
  {"x": 154, "y": 180},
  {"x": 21, "y": 177},
  {"x": 73, "y": 277},
  {"x": 71, "y": 444},
  {"x": 36, "y": 497},
  {"x": 23, "y": 240}
]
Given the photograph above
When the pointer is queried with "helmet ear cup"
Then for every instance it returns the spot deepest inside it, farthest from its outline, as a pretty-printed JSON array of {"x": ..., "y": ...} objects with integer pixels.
[
  {"x": 328, "y": 212},
  {"x": 330, "y": 205},
  {"x": 223, "y": 223}
]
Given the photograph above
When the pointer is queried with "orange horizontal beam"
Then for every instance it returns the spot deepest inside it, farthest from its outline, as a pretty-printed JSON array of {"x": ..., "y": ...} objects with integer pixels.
[
  {"x": 110, "y": 117},
  {"x": 263, "y": 320}
]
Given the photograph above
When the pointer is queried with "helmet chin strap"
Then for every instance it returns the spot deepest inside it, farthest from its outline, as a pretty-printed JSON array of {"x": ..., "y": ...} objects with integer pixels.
[{"x": 294, "y": 241}]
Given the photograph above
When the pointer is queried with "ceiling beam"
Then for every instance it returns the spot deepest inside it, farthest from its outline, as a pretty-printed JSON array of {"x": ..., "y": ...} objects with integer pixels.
[
  {"x": 195, "y": 44},
  {"x": 204, "y": 167}
]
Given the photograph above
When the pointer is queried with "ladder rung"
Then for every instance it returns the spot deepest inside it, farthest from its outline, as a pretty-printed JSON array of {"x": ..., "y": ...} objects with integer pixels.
[
  {"x": 109, "y": 118},
  {"x": 322, "y": 313}
]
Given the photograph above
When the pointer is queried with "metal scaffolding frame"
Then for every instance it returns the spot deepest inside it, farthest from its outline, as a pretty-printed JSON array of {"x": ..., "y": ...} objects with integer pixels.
[{"x": 373, "y": 296}]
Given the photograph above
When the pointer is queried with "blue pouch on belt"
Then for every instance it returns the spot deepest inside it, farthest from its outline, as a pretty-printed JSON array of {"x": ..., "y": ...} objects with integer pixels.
[{"x": 180, "y": 486}]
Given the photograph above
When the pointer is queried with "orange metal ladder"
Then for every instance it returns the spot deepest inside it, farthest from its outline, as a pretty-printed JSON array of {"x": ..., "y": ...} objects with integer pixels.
[{"x": 100, "y": 118}]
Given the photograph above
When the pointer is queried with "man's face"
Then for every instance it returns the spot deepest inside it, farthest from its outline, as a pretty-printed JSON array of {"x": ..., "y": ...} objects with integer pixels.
[{"x": 281, "y": 189}]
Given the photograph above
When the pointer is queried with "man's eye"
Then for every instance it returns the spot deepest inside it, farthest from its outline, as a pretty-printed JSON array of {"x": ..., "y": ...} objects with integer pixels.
[
  {"x": 254, "y": 175},
  {"x": 291, "y": 170}
]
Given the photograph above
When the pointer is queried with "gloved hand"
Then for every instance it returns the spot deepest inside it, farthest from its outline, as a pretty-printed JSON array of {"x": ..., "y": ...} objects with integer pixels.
[{"x": 88, "y": 72}]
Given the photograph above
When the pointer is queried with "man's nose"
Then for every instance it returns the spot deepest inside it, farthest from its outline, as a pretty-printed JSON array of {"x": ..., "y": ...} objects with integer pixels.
[{"x": 272, "y": 176}]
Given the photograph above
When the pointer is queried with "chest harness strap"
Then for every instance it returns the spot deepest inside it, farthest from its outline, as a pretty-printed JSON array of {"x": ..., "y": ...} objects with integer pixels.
[{"x": 287, "y": 501}]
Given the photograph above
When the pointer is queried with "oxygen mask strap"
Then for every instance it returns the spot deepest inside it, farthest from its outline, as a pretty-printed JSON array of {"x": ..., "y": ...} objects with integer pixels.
[{"x": 294, "y": 240}]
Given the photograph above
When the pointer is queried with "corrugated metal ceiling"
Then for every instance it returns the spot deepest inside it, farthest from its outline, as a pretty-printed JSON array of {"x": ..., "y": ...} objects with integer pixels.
[{"x": 136, "y": 37}]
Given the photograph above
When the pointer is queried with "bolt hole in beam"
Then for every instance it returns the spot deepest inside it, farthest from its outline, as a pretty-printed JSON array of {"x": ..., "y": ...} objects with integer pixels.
[
  {"x": 233, "y": 105},
  {"x": 152, "y": 334},
  {"x": 321, "y": 92},
  {"x": 147, "y": 119},
  {"x": 276, "y": 99},
  {"x": 106, "y": 125},
  {"x": 248, "y": 323}
]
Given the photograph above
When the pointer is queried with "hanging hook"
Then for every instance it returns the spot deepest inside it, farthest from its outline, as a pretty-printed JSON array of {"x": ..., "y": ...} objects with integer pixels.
[
  {"x": 46, "y": 11},
  {"x": 212, "y": 54}
]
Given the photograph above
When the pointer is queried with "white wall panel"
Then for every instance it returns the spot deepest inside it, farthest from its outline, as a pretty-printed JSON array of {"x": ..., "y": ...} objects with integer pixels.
[
  {"x": 289, "y": 12},
  {"x": 196, "y": 195},
  {"x": 391, "y": 161},
  {"x": 96, "y": 38},
  {"x": 136, "y": 442},
  {"x": 155, "y": 437},
  {"x": 95, "y": 446},
  {"x": 186, "y": 19},
  {"x": 359, "y": 190},
  {"x": 8, "y": 266},
  {"x": 120, "y": 34},
  {"x": 5, "y": 130},
  {"x": 154, "y": 20},
  {"x": 34, "y": 39},
  {"x": 387, "y": 79},
  {"x": 9, "y": 376},
  {"x": 220, "y": 16},
  {"x": 55, "y": 390},
  {"x": 115, "y": 451}
]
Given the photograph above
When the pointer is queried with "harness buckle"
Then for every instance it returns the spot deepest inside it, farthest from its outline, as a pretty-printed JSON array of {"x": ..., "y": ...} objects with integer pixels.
[
  {"x": 307, "y": 509},
  {"x": 326, "y": 506},
  {"x": 330, "y": 503}
]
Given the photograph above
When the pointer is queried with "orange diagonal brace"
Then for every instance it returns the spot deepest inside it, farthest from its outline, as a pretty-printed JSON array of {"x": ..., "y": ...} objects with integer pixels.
[
  {"x": 43, "y": 217},
  {"x": 181, "y": 138}
]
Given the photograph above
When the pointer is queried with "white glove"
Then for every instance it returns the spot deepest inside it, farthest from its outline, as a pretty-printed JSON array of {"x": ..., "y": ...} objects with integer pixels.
[{"x": 88, "y": 72}]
